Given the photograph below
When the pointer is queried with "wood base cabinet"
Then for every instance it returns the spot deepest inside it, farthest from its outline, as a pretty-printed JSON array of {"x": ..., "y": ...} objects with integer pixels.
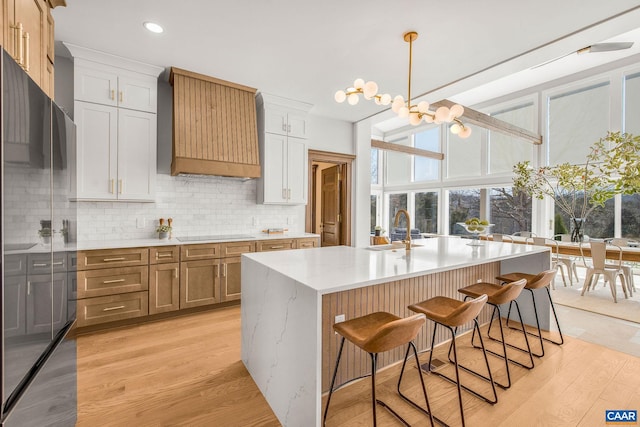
[
  {"x": 230, "y": 279},
  {"x": 164, "y": 288},
  {"x": 199, "y": 283}
]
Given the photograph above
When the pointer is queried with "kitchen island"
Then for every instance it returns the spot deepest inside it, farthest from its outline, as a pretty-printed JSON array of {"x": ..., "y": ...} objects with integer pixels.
[{"x": 290, "y": 301}]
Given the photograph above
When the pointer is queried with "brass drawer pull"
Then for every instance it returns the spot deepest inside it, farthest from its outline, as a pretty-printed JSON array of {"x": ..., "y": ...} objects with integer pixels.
[
  {"x": 276, "y": 247},
  {"x": 164, "y": 255},
  {"x": 113, "y": 308},
  {"x": 106, "y": 282},
  {"x": 113, "y": 95},
  {"x": 37, "y": 264},
  {"x": 58, "y": 263},
  {"x": 114, "y": 259}
]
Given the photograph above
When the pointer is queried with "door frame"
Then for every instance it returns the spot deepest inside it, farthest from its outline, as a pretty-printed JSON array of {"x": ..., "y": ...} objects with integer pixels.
[{"x": 346, "y": 161}]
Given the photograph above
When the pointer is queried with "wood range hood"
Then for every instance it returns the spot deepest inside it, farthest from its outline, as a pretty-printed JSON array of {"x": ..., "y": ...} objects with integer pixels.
[{"x": 214, "y": 127}]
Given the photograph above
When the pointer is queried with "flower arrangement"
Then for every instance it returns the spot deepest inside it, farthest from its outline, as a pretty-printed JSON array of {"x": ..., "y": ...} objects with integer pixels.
[{"x": 164, "y": 230}]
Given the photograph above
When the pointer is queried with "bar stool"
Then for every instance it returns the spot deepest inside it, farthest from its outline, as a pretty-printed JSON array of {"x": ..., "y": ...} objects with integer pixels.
[
  {"x": 376, "y": 333},
  {"x": 498, "y": 295},
  {"x": 452, "y": 313},
  {"x": 535, "y": 281}
]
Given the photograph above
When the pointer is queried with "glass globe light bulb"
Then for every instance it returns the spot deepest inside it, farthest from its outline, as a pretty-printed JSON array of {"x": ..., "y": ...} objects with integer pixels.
[
  {"x": 428, "y": 118},
  {"x": 414, "y": 119},
  {"x": 403, "y": 112},
  {"x": 370, "y": 89},
  {"x": 353, "y": 99},
  {"x": 340, "y": 96},
  {"x": 397, "y": 104},
  {"x": 423, "y": 106},
  {"x": 377, "y": 101},
  {"x": 399, "y": 99},
  {"x": 465, "y": 132},
  {"x": 386, "y": 99},
  {"x": 457, "y": 111},
  {"x": 455, "y": 128},
  {"x": 442, "y": 114},
  {"x": 358, "y": 83}
]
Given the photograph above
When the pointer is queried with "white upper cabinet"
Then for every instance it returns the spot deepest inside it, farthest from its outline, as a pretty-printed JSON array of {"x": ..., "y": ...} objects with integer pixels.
[
  {"x": 282, "y": 133},
  {"x": 115, "y": 114}
]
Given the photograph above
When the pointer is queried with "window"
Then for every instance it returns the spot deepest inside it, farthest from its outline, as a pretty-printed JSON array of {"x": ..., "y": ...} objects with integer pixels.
[
  {"x": 397, "y": 202},
  {"x": 504, "y": 150},
  {"x": 577, "y": 119},
  {"x": 632, "y": 104},
  {"x": 631, "y": 216},
  {"x": 374, "y": 212},
  {"x": 426, "y": 212},
  {"x": 464, "y": 155},
  {"x": 463, "y": 204},
  {"x": 398, "y": 165},
  {"x": 374, "y": 166},
  {"x": 426, "y": 169},
  {"x": 510, "y": 212}
]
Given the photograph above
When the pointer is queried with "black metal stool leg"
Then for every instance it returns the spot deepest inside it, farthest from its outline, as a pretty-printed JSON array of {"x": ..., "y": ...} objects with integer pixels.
[
  {"x": 526, "y": 339},
  {"x": 333, "y": 381},
  {"x": 374, "y": 359},
  {"x": 424, "y": 388}
]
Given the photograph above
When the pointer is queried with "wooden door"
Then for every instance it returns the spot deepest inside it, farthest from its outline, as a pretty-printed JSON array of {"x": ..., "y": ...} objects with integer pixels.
[
  {"x": 330, "y": 206},
  {"x": 199, "y": 283},
  {"x": 164, "y": 288},
  {"x": 137, "y": 144}
]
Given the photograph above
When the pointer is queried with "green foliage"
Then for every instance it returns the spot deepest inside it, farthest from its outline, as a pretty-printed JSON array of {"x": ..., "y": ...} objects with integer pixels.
[
  {"x": 559, "y": 227},
  {"x": 612, "y": 167}
]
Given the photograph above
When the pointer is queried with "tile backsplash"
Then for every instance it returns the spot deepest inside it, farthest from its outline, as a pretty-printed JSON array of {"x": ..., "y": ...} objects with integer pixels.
[{"x": 199, "y": 205}]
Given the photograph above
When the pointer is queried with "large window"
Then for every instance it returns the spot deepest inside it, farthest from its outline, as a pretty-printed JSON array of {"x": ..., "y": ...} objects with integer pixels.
[
  {"x": 426, "y": 169},
  {"x": 577, "y": 119},
  {"x": 426, "y": 212},
  {"x": 398, "y": 165},
  {"x": 631, "y": 216},
  {"x": 510, "y": 211},
  {"x": 374, "y": 167},
  {"x": 632, "y": 104},
  {"x": 463, "y": 204},
  {"x": 504, "y": 150},
  {"x": 464, "y": 156},
  {"x": 374, "y": 212},
  {"x": 397, "y": 202}
]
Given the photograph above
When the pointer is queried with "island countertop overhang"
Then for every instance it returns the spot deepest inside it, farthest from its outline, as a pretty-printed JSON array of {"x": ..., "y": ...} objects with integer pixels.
[{"x": 339, "y": 268}]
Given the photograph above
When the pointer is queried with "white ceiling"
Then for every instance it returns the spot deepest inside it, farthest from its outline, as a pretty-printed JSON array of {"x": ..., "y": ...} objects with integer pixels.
[{"x": 307, "y": 50}]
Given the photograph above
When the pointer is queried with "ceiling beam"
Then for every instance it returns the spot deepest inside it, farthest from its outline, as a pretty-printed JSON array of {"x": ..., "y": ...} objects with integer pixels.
[
  {"x": 375, "y": 143},
  {"x": 486, "y": 121}
]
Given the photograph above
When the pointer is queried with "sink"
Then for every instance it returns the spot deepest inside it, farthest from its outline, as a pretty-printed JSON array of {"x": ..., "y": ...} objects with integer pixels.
[
  {"x": 390, "y": 247},
  {"x": 218, "y": 237}
]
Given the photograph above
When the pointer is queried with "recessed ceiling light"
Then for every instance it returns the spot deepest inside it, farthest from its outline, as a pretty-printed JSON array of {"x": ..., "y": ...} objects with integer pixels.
[{"x": 153, "y": 27}]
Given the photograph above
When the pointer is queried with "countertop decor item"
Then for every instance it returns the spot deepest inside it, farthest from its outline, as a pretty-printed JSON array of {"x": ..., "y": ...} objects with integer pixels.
[
  {"x": 611, "y": 168},
  {"x": 164, "y": 230},
  {"x": 476, "y": 227},
  {"x": 416, "y": 112}
]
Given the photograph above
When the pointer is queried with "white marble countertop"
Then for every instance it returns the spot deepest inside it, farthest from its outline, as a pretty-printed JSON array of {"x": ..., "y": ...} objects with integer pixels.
[
  {"x": 135, "y": 243},
  {"x": 339, "y": 268}
]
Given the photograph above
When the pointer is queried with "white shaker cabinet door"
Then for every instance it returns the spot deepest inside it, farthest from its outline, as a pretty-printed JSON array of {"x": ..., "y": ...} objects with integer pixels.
[
  {"x": 297, "y": 125},
  {"x": 136, "y": 155},
  {"x": 297, "y": 171},
  {"x": 95, "y": 85},
  {"x": 97, "y": 140},
  {"x": 138, "y": 93}
]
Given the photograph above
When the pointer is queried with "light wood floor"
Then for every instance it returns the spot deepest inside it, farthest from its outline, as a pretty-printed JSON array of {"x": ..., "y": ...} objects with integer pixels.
[{"x": 187, "y": 372}]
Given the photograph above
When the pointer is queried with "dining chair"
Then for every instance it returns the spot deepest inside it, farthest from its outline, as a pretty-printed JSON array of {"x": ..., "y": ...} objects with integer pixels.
[
  {"x": 598, "y": 266},
  {"x": 626, "y": 267},
  {"x": 524, "y": 234},
  {"x": 497, "y": 237},
  {"x": 556, "y": 264}
]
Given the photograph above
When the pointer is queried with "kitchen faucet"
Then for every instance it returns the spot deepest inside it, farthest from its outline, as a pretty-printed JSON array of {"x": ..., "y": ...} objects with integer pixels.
[{"x": 406, "y": 241}]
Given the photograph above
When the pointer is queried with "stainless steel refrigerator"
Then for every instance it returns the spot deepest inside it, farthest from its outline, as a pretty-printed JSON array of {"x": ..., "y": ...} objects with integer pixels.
[{"x": 38, "y": 217}]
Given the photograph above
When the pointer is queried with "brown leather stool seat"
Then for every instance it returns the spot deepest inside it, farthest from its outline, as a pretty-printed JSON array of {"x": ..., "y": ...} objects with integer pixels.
[
  {"x": 453, "y": 313},
  {"x": 536, "y": 281},
  {"x": 376, "y": 333},
  {"x": 496, "y": 296}
]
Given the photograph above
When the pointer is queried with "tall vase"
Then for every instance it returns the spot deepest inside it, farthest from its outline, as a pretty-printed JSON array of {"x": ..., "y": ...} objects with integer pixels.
[{"x": 577, "y": 231}]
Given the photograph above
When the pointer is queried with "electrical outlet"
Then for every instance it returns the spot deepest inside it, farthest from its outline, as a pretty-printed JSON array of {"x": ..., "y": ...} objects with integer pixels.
[
  {"x": 340, "y": 318},
  {"x": 140, "y": 222}
]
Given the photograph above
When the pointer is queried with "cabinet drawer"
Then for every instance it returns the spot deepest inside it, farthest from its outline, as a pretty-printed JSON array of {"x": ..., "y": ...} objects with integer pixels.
[
  {"x": 164, "y": 254},
  {"x": 123, "y": 257},
  {"x": 92, "y": 311},
  {"x": 93, "y": 283},
  {"x": 15, "y": 265},
  {"x": 195, "y": 252},
  {"x": 41, "y": 263},
  {"x": 237, "y": 248},
  {"x": 275, "y": 245},
  {"x": 311, "y": 242}
]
